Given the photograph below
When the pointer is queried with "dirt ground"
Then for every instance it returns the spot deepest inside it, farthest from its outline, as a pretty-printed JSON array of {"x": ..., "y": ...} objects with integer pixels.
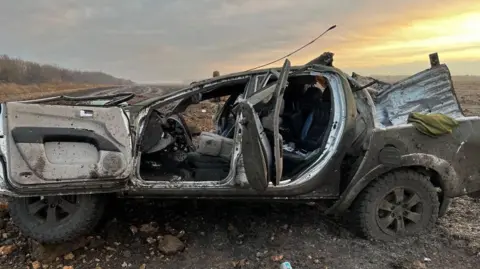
[
  {"x": 11, "y": 91},
  {"x": 224, "y": 234}
]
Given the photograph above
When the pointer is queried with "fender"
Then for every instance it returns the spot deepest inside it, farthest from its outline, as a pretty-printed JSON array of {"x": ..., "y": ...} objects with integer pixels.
[{"x": 448, "y": 179}]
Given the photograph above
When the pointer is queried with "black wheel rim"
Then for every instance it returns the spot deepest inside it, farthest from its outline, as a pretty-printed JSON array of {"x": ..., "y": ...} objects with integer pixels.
[
  {"x": 52, "y": 210},
  {"x": 399, "y": 212}
]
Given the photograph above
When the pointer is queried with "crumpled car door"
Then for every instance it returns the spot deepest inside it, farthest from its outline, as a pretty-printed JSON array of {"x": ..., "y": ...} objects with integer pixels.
[
  {"x": 51, "y": 144},
  {"x": 260, "y": 160}
]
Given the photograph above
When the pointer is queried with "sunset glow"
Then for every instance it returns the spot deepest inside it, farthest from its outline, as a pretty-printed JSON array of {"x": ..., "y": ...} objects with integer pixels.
[
  {"x": 455, "y": 37},
  {"x": 445, "y": 33}
]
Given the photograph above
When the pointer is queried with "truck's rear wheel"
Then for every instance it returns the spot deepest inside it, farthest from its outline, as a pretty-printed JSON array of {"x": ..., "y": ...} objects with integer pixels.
[
  {"x": 397, "y": 204},
  {"x": 55, "y": 219}
]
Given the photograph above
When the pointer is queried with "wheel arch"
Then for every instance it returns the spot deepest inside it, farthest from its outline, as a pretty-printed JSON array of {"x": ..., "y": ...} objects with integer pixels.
[{"x": 441, "y": 174}]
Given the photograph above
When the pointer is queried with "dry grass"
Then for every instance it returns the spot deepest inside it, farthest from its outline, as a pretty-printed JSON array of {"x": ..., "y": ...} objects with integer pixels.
[{"x": 11, "y": 91}]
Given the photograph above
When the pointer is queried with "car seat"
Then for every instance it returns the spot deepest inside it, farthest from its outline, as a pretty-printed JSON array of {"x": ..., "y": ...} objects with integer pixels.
[
  {"x": 316, "y": 114},
  {"x": 211, "y": 159}
]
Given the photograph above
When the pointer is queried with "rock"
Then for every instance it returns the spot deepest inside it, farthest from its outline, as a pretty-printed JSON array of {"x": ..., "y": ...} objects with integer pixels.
[
  {"x": 124, "y": 264},
  {"x": 2, "y": 223},
  {"x": 151, "y": 240},
  {"x": 48, "y": 253},
  {"x": 143, "y": 266},
  {"x": 7, "y": 249},
  {"x": 36, "y": 265},
  {"x": 261, "y": 254},
  {"x": 149, "y": 228},
  {"x": 127, "y": 254},
  {"x": 170, "y": 245},
  {"x": 45, "y": 266},
  {"x": 418, "y": 265},
  {"x": 110, "y": 249},
  {"x": 69, "y": 256},
  {"x": 68, "y": 267},
  {"x": 277, "y": 258},
  {"x": 240, "y": 263},
  {"x": 133, "y": 229}
]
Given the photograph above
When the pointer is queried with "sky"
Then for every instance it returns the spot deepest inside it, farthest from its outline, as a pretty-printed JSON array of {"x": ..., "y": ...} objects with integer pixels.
[{"x": 180, "y": 40}]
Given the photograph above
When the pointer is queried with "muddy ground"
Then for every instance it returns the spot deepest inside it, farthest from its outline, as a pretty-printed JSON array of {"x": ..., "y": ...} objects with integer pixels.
[{"x": 223, "y": 234}]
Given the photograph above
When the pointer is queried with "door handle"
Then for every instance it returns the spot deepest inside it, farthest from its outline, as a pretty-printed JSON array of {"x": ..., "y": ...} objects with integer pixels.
[{"x": 86, "y": 113}]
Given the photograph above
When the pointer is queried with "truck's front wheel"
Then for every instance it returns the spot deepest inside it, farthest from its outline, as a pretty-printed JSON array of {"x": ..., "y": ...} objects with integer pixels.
[
  {"x": 55, "y": 219},
  {"x": 400, "y": 203}
]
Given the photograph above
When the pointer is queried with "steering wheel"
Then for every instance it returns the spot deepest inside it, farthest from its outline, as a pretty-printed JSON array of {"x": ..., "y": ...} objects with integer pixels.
[{"x": 179, "y": 119}]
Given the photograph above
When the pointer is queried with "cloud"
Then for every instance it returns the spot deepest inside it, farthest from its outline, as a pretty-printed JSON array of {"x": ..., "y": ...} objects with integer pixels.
[{"x": 149, "y": 40}]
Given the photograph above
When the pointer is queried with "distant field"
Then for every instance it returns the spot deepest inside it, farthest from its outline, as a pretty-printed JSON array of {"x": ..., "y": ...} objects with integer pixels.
[
  {"x": 455, "y": 78},
  {"x": 11, "y": 91},
  {"x": 468, "y": 93},
  {"x": 466, "y": 87}
]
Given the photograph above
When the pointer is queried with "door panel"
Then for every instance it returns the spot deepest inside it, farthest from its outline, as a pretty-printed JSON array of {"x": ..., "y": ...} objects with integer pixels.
[
  {"x": 51, "y": 144},
  {"x": 256, "y": 149}
]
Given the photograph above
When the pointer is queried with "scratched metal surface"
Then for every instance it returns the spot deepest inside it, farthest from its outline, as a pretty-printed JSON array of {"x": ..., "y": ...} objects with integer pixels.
[{"x": 430, "y": 91}]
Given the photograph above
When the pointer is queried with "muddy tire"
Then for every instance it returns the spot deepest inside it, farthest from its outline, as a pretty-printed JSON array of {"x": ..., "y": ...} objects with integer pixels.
[
  {"x": 56, "y": 219},
  {"x": 401, "y": 203}
]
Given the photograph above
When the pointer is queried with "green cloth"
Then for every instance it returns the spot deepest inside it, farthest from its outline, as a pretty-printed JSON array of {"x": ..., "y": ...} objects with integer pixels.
[{"x": 432, "y": 124}]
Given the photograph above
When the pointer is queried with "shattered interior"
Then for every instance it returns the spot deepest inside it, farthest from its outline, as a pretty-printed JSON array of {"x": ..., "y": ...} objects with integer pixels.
[{"x": 206, "y": 167}]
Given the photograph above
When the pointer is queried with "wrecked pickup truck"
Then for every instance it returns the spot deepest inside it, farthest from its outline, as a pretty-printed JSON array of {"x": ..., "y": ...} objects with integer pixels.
[{"x": 293, "y": 133}]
